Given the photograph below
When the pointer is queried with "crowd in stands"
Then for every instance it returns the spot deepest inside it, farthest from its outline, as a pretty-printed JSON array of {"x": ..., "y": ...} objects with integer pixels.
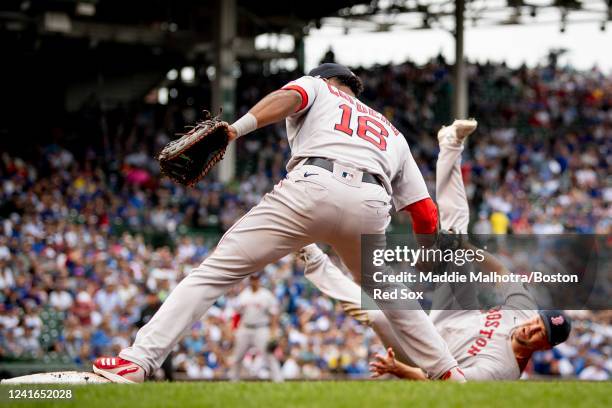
[
  {"x": 91, "y": 236},
  {"x": 540, "y": 160}
]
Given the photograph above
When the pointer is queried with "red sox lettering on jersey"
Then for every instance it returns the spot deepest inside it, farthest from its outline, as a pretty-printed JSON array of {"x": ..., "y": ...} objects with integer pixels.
[{"x": 491, "y": 323}]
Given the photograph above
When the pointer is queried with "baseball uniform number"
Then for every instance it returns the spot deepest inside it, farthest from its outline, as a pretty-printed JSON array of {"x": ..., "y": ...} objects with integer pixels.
[
  {"x": 365, "y": 127},
  {"x": 345, "y": 122},
  {"x": 368, "y": 128}
]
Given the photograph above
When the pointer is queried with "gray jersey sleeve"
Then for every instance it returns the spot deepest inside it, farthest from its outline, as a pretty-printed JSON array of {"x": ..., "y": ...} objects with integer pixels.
[
  {"x": 408, "y": 185},
  {"x": 306, "y": 86}
]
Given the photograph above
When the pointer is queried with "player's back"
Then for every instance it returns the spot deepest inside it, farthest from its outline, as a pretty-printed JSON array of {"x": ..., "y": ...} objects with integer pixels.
[{"x": 337, "y": 126}]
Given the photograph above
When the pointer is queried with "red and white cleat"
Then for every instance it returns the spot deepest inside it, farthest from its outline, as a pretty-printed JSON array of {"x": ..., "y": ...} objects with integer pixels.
[
  {"x": 454, "y": 374},
  {"x": 119, "y": 370}
]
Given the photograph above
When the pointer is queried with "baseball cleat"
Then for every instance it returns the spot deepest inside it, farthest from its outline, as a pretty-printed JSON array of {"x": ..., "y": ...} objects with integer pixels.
[
  {"x": 119, "y": 370},
  {"x": 309, "y": 252},
  {"x": 457, "y": 132}
]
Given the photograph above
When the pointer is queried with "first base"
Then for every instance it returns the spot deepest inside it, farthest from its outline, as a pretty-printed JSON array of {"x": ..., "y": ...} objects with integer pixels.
[{"x": 60, "y": 377}]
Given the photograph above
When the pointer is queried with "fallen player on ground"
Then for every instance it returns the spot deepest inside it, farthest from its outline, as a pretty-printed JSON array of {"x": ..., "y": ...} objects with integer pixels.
[{"x": 492, "y": 345}]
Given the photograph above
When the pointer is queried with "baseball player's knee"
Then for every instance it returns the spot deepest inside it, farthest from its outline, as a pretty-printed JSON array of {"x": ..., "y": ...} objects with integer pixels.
[{"x": 424, "y": 214}]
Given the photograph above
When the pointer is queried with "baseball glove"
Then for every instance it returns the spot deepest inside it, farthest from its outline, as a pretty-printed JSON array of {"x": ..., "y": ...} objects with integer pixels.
[
  {"x": 272, "y": 345},
  {"x": 446, "y": 239},
  {"x": 188, "y": 159},
  {"x": 449, "y": 239}
]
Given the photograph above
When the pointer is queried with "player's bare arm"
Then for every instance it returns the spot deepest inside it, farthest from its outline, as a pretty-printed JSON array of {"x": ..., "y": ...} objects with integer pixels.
[
  {"x": 276, "y": 107},
  {"x": 273, "y": 108}
]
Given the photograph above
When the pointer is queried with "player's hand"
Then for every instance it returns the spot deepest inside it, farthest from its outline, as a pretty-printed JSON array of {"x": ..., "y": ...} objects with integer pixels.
[
  {"x": 232, "y": 134},
  {"x": 383, "y": 364}
]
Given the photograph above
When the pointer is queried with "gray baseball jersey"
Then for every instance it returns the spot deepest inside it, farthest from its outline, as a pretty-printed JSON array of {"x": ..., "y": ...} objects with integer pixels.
[
  {"x": 480, "y": 341},
  {"x": 356, "y": 135},
  {"x": 255, "y": 308}
]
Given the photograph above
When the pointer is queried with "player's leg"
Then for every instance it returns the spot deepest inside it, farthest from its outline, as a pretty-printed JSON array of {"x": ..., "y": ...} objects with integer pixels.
[
  {"x": 243, "y": 341},
  {"x": 329, "y": 279},
  {"x": 281, "y": 223},
  {"x": 260, "y": 342},
  {"x": 450, "y": 191},
  {"x": 416, "y": 333},
  {"x": 276, "y": 373},
  {"x": 451, "y": 301}
]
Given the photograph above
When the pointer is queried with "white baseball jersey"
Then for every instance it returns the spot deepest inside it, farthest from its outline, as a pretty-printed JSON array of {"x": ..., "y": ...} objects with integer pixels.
[
  {"x": 255, "y": 308},
  {"x": 480, "y": 341},
  {"x": 339, "y": 127}
]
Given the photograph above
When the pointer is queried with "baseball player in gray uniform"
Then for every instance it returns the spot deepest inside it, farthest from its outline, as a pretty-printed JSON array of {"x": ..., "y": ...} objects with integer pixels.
[
  {"x": 258, "y": 309},
  {"x": 492, "y": 345},
  {"x": 348, "y": 164}
]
